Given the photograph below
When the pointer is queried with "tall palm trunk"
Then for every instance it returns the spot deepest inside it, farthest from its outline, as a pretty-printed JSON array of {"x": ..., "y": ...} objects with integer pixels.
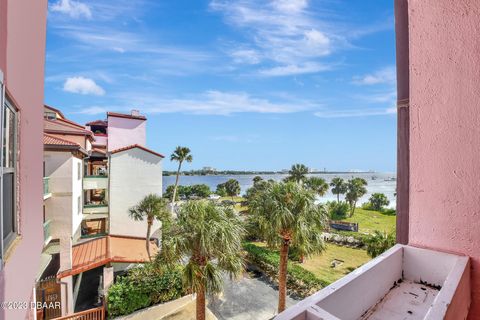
[
  {"x": 200, "y": 304},
  {"x": 282, "y": 276},
  {"x": 353, "y": 208},
  {"x": 338, "y": 197},
  {"x": 147, "y": 240},
  {"x": 176, "y": 185}
]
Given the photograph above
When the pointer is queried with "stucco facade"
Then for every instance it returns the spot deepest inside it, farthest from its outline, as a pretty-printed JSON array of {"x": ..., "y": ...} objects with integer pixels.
[
  {"x": 22, "y": 58},
  {"x": 124, "y": 131},
  {"x": 66, "y": 187},
  {"x": 134, "y": 173},
  {"x": 444, "y": 139}
]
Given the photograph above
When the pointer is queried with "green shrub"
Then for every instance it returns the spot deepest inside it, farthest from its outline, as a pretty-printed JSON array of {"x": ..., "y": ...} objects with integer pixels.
[
  {"x": 379, "y": 242},
  {"x": 299, "y": 280},
  {"x": 378, "y": 201},
  {"x": 338, "y": 210},
  {"x": 144, "y": 286}
]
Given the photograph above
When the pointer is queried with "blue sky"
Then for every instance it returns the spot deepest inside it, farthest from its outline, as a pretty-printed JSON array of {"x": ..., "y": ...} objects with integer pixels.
[{"x": 246, "y": 84}]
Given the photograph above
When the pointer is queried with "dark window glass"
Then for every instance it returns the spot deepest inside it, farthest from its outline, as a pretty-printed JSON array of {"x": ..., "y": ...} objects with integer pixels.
[{"x": 8, "y": 208}]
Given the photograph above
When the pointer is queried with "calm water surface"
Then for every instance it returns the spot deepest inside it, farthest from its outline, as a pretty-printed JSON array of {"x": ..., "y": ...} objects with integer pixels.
[{"x": 377, "y": 182}]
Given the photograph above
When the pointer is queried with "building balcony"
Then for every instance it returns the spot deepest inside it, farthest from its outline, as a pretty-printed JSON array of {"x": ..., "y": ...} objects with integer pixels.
[
  {"x": 46, "y": 232},
  {"x": 403, "y": 283},
  {"x": 46, "y": 188},
  {"x": 89, "y": 209},
  {"x": 95, "y": 182}
]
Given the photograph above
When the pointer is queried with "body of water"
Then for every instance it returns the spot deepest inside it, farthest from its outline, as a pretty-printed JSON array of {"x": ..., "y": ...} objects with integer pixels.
[{"x": 377, "y": 182}]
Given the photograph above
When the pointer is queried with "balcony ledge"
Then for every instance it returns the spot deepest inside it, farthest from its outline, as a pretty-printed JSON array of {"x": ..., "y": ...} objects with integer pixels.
[{"x": 405, "y": 282}]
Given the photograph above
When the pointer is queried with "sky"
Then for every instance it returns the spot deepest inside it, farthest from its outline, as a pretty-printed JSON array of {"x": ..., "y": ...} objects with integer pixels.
[{"x": 245, "y": 84}]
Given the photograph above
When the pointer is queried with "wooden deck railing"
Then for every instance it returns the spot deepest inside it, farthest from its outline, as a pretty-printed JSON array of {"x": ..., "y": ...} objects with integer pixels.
[{"x": 90, "y": 314}]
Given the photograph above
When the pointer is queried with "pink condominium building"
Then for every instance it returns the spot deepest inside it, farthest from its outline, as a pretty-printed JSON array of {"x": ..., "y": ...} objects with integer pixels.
[{"x": 22, "y": 60}]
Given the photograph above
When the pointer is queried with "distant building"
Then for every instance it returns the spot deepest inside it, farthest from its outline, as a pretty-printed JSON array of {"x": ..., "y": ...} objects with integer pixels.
[
  {"x": 95, "y": 173},
  {"x": 209, "y": 169}
]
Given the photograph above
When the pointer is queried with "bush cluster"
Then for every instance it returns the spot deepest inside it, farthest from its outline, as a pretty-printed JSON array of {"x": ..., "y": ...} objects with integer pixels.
[
  {"x": 144, "y": 286},
  {"x": 299, "y": 281},
  {"x": 338, "y": 210}
]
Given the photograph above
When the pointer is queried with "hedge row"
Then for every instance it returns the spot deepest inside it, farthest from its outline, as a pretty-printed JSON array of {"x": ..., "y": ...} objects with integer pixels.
[
  {"x": 299, "y": 281},
  {"x": 142, "y": 287}
]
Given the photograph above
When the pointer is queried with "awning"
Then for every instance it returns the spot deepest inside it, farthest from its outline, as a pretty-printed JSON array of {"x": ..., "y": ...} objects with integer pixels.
[{"x": 98, "y": 252}]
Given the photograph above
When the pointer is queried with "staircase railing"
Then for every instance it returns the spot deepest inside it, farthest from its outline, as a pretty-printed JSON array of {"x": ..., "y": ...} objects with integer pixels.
[{"x": 90, "y": 314}]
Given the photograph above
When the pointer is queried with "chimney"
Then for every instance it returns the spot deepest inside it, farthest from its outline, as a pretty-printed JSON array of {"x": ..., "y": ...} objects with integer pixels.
[{"x": 135, "y": 113}]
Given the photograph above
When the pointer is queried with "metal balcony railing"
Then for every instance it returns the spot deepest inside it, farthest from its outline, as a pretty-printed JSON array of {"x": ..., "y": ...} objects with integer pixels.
[
  {"x": 46, "y": 231},
  {"x": 46, "y": 185}
]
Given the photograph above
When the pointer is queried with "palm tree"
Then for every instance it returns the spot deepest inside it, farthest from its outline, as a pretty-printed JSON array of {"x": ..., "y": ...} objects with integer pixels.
[
  {"x": 180, "y": 154},
  {"x": 297, "y": 173},
  {"x": 232, "y": 188},
  {"x": 257, "y": 179},
  {"x": 151, "y": 207},
  {"x": 288, "y": 217},
  {"x": 317, "y": 185},
  {"x": 379, "y": 242},
  {"x": 355, "y": 190},
  {"x": 210, "y": 237},
  {"x": 338, "y": 187}
]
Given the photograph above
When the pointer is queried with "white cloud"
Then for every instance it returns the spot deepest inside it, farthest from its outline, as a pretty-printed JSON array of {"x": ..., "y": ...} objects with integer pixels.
[
  {"x": 284, "y": 32},
  {"x": 355, "y": 113},
  {"x": 216, "y": 102},
  {"x": 83, "y": 86},
  {"x": 74, "y": 9},
  {"x": 290, "y": 5},
  {"x": 246, "y": 56},
  {"x": 385, "y": 75},
  {"x": 287, "y": 70},
  {"x": 93, "y": 110}
]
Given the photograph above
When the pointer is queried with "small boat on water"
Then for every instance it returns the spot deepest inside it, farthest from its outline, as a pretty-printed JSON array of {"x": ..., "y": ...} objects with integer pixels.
[
  {"x": 374, "y": 178},
  {"x": 391, "y": 179}
]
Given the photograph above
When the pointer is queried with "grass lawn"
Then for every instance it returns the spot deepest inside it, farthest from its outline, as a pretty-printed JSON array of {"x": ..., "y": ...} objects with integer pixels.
[
  {"x": 321, "y": 265},
  {"x": 369, "y": 221}
]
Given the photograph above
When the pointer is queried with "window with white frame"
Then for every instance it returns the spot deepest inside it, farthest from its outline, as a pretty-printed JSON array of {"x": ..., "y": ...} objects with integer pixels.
[{"x": 8, "y": 159}]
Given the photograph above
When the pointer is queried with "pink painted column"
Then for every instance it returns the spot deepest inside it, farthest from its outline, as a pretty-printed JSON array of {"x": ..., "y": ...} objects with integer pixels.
[
  {"x": 444, "y": 210},
  {"x": 403, "y": 119}
]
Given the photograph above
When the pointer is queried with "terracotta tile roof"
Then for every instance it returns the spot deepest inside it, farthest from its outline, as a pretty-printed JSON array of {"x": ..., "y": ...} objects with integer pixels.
[
  {"x": 139, "y": 147},
  {"x": 63, "y": 126},
  {"x": 51, "y": 140},
  {"x": 124, "y": 115},
  {"x": 97, "y": 123},
  {"x": 98, "y": 150},
  {"x": 97, "y": 252}
]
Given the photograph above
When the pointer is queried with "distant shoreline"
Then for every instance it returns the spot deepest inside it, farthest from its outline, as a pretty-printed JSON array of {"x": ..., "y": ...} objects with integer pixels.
[{"x": 241, "y": 173}]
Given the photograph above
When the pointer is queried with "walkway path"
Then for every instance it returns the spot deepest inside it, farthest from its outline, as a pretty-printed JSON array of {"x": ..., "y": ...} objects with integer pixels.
[{"x": 249, "y": 298}]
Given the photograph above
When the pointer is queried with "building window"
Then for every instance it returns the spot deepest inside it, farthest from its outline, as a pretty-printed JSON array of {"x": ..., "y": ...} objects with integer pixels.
[
  {"x": 9, "y": 151},
  {"x": 79, "y": 204},
  {"x": 79, "y": 170},
  {"x": 51, "y": 115}
]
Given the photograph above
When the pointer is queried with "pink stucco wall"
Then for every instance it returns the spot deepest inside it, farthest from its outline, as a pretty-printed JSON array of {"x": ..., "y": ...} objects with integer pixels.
[
  {"x": 124, "y": 132},
  {"x": 22, "y": 59},
  {"x": 445, "y": 130}
]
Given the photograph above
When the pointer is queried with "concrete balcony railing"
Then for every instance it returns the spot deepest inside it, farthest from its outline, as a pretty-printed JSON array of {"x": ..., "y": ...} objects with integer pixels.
[
  {"x": 95, "y": 208},
  {"x": 95, "y": 182},
  {"x": 403, "y": 283},
  {"x": 46, "y": 188}
]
